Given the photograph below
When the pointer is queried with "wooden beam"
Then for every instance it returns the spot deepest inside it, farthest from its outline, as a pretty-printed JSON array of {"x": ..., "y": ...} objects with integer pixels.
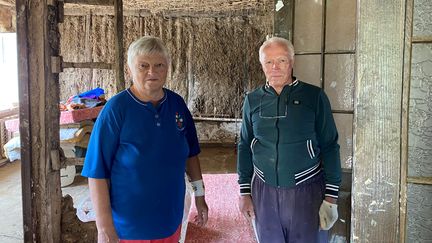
[
  {"x": 71, "y": 161},
  {"x": 91, "y": 2},
  {"x": 119, "y": 52},
  {"x": 216, "y": 119},
  {"x": 23, "y": 48},
  {"x": 422, "y": 39},
  {"x": 420, "y": 180},
  {"x": 38, "y": 40},
  {"x": 3, "y": 138},
  {"x": 377, "y": 120},
  {"x": 92, "y": 65},
  {"x": 9, "y": 112},
  {"x": 3, "y": 161},
  {"x": 405, "y": 122}
]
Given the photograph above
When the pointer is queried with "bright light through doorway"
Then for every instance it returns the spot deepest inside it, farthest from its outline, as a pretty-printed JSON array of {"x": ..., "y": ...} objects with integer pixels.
[{"x": 8, "y": 71}]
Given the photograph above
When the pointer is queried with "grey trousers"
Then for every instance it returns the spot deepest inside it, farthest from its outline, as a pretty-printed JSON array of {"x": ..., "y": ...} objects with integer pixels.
[{"x": 289, "y": 215}]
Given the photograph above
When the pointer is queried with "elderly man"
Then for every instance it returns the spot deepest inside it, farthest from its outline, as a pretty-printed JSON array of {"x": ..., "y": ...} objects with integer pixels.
[
  {"x": 288, "y": 155},
  {"x": 142, "y": 143}
]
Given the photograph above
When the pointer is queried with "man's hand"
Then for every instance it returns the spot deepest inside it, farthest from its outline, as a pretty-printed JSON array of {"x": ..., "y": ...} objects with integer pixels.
[
  {"x": 107, "y": 235},
  {"x": 246, "y": 207},
  {"x": 202, "y": 208},
  {"x": 328, "y": 215}
]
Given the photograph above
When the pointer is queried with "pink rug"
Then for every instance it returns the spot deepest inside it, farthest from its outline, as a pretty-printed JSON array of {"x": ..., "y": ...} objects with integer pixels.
[{"x": 225, "y": 224}]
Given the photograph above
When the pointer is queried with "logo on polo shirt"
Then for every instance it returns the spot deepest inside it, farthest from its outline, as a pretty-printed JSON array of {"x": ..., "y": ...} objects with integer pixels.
[{"x": 179, "y": 121}]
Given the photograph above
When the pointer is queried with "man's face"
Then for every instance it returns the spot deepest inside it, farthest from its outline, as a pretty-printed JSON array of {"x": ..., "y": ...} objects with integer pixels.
[
  {"x": 149, "y": 72},
  {"x": 277, "y": 65}
]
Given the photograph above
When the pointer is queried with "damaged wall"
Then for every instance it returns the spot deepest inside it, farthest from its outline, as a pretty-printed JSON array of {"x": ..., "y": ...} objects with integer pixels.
[{"x": 214, "y": 59}]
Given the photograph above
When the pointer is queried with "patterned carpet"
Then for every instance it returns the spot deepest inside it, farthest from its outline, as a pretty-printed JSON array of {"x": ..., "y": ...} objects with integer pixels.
[{"x": 225, "y": 224}]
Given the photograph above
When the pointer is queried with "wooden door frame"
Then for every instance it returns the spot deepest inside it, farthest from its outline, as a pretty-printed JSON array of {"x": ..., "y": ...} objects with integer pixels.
[{"x": 37, "y": 42}]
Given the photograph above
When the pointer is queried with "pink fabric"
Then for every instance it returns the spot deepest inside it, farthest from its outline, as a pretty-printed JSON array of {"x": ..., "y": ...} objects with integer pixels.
[
  {"x": 172, "y": 239},
  {"x": 66, "y": 117},
  {"x": 75, "y": 116},
  {"x": 225, "y": 224}
]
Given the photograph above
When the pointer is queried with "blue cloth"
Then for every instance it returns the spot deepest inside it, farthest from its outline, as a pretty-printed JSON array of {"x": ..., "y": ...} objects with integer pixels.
[
  {"x": 143, "y": 150},
  {"x": 93, "y": 94}
]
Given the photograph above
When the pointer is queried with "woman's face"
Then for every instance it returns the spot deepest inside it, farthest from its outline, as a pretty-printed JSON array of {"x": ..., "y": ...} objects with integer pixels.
[{"x": 149, "y": 72}]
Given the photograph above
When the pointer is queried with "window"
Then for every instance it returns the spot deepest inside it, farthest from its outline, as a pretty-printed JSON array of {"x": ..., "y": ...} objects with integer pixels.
[{"x": 8, "y": 71}]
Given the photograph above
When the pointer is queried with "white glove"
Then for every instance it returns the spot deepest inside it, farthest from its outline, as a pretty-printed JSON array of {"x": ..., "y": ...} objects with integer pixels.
[{"x": 328, "y": 215}]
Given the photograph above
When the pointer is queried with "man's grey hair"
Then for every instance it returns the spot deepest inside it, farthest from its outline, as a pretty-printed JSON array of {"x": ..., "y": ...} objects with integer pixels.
[
  {"x": 146, "y": 45},
  {"x": 279, "y": 41}
]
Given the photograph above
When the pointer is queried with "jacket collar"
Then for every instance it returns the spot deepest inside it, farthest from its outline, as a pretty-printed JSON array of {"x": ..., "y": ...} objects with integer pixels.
[{"x": 269, "y": 88}]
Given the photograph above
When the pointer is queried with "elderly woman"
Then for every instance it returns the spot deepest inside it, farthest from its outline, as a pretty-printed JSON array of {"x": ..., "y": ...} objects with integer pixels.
[{"x": 142, "y": 143}]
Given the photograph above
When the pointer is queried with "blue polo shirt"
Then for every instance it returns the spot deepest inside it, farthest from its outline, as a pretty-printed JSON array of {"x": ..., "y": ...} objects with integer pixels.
[{"x": 142, "y": 150}]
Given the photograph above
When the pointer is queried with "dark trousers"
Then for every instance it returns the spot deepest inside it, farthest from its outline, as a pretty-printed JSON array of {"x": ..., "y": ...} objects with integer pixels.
[{"x": 289, "y": 215}]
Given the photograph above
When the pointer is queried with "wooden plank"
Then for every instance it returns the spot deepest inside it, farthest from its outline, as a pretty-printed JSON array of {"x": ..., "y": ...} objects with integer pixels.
[
  {"x": 119, "y": 52},
  {"x": 23, "y": 48},
  {"x": 71, "y": 161},
  {"x": 88, "y": 49},
  {"x": 92, "y": 65},
  {"x": 3, "y": 161},
  {"x": 3, "y": 138},
  {"x": 422, "y": 39},
  {"x": 190, "y": 63},
  {"x": 216, "y": 119},
  {"x": 420, "y": 180},
  {"x": 38, "y": 40},
  {"x": 91, "y": 2},
  {"x": 377, "y": 123},
  {"x": 9, "y": 112},
  {"x": 405, "y": 123}
]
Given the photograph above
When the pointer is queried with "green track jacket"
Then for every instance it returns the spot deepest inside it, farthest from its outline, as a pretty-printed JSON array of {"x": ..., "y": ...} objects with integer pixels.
[{"x": 288, "y": 138}]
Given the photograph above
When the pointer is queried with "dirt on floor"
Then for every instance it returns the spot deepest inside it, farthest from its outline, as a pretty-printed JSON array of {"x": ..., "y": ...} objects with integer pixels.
[{"x": 11, "y": 223}]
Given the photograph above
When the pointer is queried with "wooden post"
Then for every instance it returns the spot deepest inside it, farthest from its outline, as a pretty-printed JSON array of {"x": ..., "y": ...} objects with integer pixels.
[
  {"x": 405, "y": 122},
  {"x": 377, "y": 125},
  {"x": 119, "y": 53},
  {"x": 38, "y": 41}
]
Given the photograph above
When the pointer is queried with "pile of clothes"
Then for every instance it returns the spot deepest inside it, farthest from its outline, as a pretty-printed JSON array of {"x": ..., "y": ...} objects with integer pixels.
[
  {"x": 12, "y": 149},
  {"x": 74, "y": 139},
  {"x": 76, "y": 124},
  {"x": 88, "y": 99}
]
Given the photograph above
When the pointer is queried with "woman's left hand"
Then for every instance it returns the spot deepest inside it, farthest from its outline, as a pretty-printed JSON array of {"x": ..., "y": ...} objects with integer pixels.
[{"x": 201, "y": 206}]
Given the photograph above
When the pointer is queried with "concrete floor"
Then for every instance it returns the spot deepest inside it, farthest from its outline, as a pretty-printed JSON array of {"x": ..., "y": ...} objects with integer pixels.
[
  {"x": 214, "y": 160},
  {"x": 11, "y": 230}
]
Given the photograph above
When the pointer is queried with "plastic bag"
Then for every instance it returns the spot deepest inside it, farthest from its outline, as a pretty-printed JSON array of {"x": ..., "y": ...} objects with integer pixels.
[{"x": 85, "y": 211}]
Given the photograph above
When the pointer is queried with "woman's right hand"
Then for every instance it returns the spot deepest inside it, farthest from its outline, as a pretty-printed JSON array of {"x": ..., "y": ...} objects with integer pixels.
[
  {"x": 246, "y": 207},
  {"x": 100, "y": 198},
  {"x": 107, "y": 236}
]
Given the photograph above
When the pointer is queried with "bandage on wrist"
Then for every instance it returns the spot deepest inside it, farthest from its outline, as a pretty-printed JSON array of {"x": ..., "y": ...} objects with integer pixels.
[{"x": 198, "y": 188}]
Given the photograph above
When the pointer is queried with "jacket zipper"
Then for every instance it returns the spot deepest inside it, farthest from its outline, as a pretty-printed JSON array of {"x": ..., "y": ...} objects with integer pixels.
[
  {"x": 277, "y": 129},
  {"x": 277, "y": 143}
]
